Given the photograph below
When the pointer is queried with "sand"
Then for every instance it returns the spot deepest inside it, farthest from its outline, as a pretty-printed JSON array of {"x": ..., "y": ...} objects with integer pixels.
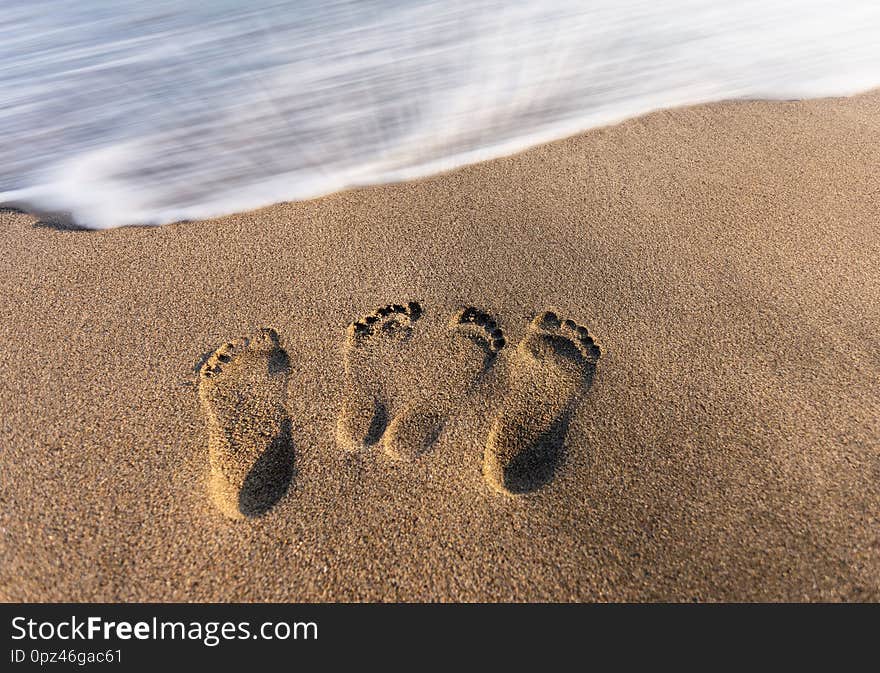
[{"x": 705, "y": 427}]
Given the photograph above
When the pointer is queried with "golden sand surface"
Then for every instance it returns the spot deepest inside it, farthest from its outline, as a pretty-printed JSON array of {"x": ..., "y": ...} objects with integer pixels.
[{"x": 642, "y": 363}]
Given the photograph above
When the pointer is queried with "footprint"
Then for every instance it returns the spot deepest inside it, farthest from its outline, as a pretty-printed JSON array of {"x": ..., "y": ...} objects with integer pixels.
[
  {"x": 242, "y": 388},
  {"x": 471, "y": 342},
  {"x": 372, "y": 344},
  {"x": 405, "y": 415},
  {"x": 553, "y": 368}
]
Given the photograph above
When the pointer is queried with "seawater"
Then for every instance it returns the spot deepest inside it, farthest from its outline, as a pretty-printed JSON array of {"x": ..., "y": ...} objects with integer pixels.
[{"x": 131, "y": 112}]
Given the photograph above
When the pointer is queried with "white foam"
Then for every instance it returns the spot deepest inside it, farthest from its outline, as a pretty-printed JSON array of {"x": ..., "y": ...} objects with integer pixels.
[{"x": 128, "y": 112}]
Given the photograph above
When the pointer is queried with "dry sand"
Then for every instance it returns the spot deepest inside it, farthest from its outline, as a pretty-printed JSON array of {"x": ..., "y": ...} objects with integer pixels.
[{"x": 725, "y": 259}]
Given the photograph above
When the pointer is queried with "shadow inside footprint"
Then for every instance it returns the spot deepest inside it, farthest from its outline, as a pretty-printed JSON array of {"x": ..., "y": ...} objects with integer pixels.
[
  {"x": 270, "y": 477},
  {"x": 377, "y": 425},
  {"x": 279, "y": 362},
  {"x": 536, "y": 466}
]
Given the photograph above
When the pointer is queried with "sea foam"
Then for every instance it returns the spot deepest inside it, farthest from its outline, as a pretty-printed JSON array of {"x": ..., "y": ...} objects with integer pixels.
[{"x": 130, "y": 112}]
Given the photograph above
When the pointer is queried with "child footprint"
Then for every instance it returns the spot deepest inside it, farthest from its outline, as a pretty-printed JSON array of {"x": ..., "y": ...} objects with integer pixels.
[
  {"x": 553, "y": 368},
  {"x": 373, "y": 343},
  {"x": 242, "y": 389},
  {"x": 466, "y": 351},
  {"x": 381, "y": 408}
]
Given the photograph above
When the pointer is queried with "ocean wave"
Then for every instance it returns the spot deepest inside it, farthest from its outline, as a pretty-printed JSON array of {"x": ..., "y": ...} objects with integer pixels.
[{"x": 146, "y": 113}]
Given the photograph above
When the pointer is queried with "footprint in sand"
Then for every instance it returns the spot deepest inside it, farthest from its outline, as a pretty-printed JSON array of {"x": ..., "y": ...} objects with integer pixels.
[
  {"x": 553, "y": 368},
  {"x": 402, "y": 378},
  {"x": 242, "y": 387}
]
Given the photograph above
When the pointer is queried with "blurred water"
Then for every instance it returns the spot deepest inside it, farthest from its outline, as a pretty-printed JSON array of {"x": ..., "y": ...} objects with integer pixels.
[{"x": 131, "y": 112}]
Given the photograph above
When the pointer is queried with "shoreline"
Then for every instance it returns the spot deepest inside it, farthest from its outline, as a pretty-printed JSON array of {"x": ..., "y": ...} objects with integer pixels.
[{"x": 723, "y": 256}]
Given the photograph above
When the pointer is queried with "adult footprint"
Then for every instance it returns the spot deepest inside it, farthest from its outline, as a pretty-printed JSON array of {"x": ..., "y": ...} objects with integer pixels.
[
  {"x": 553, "y": 368},
  {"x": 242, "y": 388},
  {"x": 401, "y": 379}
]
